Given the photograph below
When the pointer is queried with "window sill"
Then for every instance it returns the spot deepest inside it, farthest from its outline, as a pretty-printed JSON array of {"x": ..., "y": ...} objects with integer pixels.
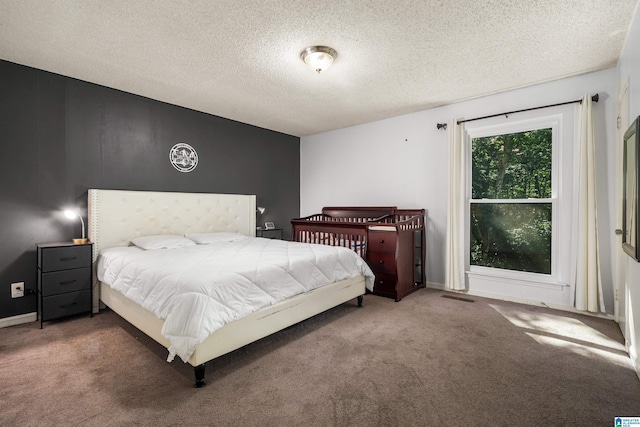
[
  {"x": 509, "y": 275},
  {"x": 512, "y": 286}
]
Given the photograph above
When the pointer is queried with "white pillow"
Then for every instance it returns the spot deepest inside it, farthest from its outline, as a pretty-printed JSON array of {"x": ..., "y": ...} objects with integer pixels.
[
  {"x": 206, "y": 238},
  {"x": 162, "y": 241}
]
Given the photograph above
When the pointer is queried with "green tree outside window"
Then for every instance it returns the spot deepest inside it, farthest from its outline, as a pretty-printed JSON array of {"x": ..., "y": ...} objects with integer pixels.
[{"x": 512, "y": 235}]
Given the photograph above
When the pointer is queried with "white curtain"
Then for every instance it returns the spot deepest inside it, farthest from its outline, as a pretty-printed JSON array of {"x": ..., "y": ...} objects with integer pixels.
[
  {"x": 455, "y": 276},
  {"x": 586, "y": 265}
]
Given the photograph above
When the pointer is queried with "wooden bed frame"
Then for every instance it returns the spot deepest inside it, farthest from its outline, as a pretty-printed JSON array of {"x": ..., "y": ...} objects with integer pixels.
[
  {"x": 116, "y": 217},
  {"x": 391, "y": 240}
]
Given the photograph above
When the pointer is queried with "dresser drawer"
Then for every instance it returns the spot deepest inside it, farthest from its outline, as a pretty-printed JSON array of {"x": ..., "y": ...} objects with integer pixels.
[
  {"x": 66, "y": 304},
  {"x": 385, "y": 284},
  {"x": 63, "y": 258},
  {"x": 57, "y": 282},
  {"x": 382, "y": 241},
  {"x": 382, "y": 262}
]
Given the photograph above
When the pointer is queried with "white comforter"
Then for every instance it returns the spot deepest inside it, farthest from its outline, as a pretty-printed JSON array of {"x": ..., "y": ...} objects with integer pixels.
[{"x": 198, "y": 289}]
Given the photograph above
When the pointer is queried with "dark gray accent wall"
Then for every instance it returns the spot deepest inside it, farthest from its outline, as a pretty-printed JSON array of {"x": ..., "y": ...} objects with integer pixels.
[{"x": 60, "y": 136}]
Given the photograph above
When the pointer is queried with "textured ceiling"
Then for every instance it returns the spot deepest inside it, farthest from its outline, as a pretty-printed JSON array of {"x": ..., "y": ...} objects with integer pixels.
[{"x": 239, "y": 59}]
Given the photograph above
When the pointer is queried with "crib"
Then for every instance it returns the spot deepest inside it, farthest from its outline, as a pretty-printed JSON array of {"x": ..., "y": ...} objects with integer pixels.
[{"x": 390, "y": 240}]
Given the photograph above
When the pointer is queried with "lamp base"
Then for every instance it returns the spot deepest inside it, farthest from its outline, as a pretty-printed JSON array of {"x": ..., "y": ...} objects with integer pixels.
[{"x": 80, "y": 241}]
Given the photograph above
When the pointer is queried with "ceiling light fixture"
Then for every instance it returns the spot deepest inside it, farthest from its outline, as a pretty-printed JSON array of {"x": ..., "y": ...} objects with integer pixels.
[{"x": 318, "y": 58}]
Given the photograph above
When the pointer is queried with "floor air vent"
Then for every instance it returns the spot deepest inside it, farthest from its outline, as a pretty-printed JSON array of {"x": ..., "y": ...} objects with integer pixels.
[{"x": 458, "y": 298}]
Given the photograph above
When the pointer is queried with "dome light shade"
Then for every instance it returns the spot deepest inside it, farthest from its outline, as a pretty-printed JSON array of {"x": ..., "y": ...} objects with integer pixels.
[{"x": 318, "y": 58}]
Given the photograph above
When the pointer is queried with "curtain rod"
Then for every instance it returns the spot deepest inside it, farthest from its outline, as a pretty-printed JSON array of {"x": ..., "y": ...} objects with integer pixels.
[{"x": 594, "y": 98}]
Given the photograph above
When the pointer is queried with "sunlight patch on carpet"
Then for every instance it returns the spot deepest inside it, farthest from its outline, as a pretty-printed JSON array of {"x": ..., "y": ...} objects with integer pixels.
[
  {"x": 559, "y": 326},
  {"x": 586, "y": 350}
]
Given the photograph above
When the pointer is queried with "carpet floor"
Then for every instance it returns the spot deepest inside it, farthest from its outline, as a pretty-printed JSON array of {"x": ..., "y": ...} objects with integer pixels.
[{"x": 424, "y": 361}]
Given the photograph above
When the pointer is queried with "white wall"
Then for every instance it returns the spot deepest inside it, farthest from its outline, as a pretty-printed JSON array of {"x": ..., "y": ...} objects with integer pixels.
[
  {"x": 403, "y": 161},
  {"x": 629, "y": 70}
]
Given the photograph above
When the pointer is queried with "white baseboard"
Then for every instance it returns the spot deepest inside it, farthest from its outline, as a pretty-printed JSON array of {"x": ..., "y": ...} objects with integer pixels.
[
  {"x": 18, "y": 320},
  {"x": 633, "y": 355},
  {"x": 521, "y": 301}
]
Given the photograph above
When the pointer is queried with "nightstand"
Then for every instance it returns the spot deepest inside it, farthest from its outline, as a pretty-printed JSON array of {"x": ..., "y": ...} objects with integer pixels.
[
  {"x": 273, "y": 233},
  {"x": 64, "y": 279}
]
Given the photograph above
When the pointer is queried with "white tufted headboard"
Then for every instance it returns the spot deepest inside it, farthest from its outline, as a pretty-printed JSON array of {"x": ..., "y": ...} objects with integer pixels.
[{"x": 117, "y": 216}]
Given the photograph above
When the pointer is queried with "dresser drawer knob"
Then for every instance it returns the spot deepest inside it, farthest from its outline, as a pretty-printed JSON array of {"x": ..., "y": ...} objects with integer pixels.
[
  {"x": 67, "y": 282},
  {"x": 70, "y": 258},
  {"x": 382, "y": 241},
  {"x": 381, "y": 261}
]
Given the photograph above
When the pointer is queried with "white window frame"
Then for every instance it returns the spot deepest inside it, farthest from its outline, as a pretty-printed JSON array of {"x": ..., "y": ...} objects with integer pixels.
[{"x": 550, "y": 121}]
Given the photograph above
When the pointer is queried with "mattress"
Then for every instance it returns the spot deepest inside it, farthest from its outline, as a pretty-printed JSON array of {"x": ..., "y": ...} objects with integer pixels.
[{"x": 198, "y": 289}]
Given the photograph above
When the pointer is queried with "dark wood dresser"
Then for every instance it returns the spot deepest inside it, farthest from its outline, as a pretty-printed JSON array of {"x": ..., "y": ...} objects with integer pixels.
[{"x": 391, "y": 253}]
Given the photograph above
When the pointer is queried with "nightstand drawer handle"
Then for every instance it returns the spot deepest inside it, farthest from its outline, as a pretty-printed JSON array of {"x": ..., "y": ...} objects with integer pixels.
[
  {"x": 381, "y": 261},
  {"x": 69, "y": 258},
  {"x": 382, "y": 241},
  {"x": 68, "y": 282},
  {"x": 68, "y": 305}
]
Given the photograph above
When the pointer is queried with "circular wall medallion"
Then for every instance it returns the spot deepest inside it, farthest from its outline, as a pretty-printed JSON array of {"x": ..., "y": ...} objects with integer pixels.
[{"x": 183, "y": 157}]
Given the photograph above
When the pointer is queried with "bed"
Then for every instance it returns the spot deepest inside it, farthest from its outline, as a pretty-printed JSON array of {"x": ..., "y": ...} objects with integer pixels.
[
  {"x": 391, "y": 240},
  {"x": 117, "y": 217}
]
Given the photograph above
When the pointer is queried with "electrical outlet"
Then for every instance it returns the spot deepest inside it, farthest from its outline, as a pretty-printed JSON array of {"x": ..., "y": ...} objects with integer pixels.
[{"x": 17, "y": 289}]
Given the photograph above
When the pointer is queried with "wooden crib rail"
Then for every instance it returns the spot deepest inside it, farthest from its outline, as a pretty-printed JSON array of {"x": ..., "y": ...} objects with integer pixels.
[
  {"x": 410, "y": 219},
  {"x": 314, "y": 217},
  {"x": 359, "y": 213},
  {"x": 352, "y": 235}
]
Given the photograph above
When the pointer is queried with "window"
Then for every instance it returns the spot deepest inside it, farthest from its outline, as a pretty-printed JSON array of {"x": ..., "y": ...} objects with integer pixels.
[{"x": 512, "y": 200}]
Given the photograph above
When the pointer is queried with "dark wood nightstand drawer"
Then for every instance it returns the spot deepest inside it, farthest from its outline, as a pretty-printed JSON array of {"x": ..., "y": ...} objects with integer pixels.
[
  {"x": 382, "y": 241},
  {"x": 66, "y": 304},
  {"x": 64, "y": 258},
  {"x": 382, "y": 262},
  {"x": 57, "y": 282},
  {"x": 385, "y": 284}
]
